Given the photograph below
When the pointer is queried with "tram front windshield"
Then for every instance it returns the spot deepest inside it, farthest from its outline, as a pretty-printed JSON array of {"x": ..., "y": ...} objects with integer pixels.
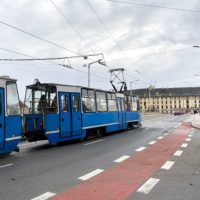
[
  {"x": 41, "y": 99},
  {"x": 13, "y": 106}
]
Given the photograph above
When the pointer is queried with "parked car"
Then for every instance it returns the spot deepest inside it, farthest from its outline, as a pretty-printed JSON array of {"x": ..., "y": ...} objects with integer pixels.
[{"x": 178, "y": 113}]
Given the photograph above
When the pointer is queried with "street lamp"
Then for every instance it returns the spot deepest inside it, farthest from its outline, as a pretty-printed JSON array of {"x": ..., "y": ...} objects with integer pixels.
[
  {"x": 131, "y": 92},
  {"x": 100, "y": 61}
]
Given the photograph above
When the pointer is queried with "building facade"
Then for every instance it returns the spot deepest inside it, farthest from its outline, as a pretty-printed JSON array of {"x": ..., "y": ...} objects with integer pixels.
[{"x": 168, "y": 100}]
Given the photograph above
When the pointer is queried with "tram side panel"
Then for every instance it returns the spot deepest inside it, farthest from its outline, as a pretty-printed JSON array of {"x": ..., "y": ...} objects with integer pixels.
[
  {"x": 98, "y": 120},
  {"x": 132, "y": 111},
  {"x": 67, "y": 123},
  {"x": 133, "y": 118}
]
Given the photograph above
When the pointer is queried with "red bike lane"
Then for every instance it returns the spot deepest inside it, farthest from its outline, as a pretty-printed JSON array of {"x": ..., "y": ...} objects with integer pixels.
[{"x": 121, "y": 180}]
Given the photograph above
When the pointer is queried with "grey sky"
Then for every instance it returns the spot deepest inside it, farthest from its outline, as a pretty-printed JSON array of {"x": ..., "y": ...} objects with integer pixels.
[{"x": 157, "y": 42}]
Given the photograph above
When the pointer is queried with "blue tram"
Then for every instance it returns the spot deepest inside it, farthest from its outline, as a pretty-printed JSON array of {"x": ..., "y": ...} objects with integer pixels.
[
  {"x": 60, "y": 112},
  {"x": 10, "y": 116}
]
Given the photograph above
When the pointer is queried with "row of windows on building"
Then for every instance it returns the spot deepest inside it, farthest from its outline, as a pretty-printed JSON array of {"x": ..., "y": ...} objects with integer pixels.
[{"x": 169, "y": 103}]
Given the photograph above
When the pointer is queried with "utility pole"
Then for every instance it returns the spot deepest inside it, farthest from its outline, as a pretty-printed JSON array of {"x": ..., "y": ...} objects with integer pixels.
[
  {"x": 151, "y": 87},
  {"x": 131, "y": 92}
]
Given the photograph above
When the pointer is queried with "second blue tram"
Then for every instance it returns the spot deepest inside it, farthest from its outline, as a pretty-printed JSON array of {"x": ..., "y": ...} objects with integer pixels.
[
  {"x": 60, "y": 112},
  {"x": 10, "y": 116}
]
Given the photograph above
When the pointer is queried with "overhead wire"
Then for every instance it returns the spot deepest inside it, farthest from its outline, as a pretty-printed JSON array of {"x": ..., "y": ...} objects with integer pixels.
[
  {"x": 154, "y": 6},
  {"x": 172, "y": 42},
  {"x": 69, "y": 22},
  {"x": 22, "y": 54},
  {"x": 109, "y": 32},
  {"x": 43, "y": 59},
  {"x": 38, "y": 37},
  {"x": 31, "y": 57},
  {"x": 106, "y": 28}
]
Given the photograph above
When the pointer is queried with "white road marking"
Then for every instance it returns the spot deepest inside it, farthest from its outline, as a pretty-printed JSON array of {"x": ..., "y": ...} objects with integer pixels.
[
  {"x": 7, "y": 165},
  {"x": 44, "y": 196},
  {"x": 178, "y": 153},
  {"x": 152, "y": 142},
  {"x": 166, "y": 134},
  {"x": 91, "y": 174},
  {"x": 121, "y": 159},
  {"x": 191, "y": 132},
  {"x": 32, "y": 144},
  {"x": 140, "y": 149},
  {"x": 93, "y": 142},
  {"x": 176, "y": 127},
  {"x": 148, "y": 185},
  {"x": 184, "y": 145},
  {"x": 169, "y": 131},
  {"x": 188, "y": 139},
  {"x": 190, "y": 135},
  {"x": 160, "y": 138},
  {"x": 168, "y": 165}
]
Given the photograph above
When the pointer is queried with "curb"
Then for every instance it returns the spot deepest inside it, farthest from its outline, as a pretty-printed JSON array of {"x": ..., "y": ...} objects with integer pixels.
[{"x": 196, "y": 125}]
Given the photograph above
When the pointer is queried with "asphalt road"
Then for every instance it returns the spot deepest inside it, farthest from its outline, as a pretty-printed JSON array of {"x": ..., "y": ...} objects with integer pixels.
[{"x": 40, "y": 167}]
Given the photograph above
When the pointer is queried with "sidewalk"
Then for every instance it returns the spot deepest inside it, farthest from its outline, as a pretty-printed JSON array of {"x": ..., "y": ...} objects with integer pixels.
[{"x": 195, "y": 120}]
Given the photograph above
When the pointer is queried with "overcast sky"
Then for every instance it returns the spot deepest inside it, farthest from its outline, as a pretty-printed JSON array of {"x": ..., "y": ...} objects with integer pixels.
[{"x": 154, "y": 45}]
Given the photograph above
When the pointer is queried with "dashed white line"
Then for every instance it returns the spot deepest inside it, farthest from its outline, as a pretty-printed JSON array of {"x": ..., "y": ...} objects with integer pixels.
[
  {"x": 93, "y": 142},
  {"x": 166, "y": 134},
  {"x": 7, "y": 165},
  {"x": 176, "y": 127},
  {"x": 121, "y": 159},
  {"x": 169, "y": 131},
  {"x": 178, "y": 153},
  {"x": 91, "y": 174},
  {"x": 191, "y": 132},
  {"x": 168, "y": 165},
  {"x": 152, "y": 142},
  {"x": 160, "y": 138},
  {"x": 44, "y": 196},
  {"x": 140, "y": 149},
  {"x": 190, "y": 135},
  {"x": 188, "y": 139},
  {"x": 184, "y": 145},
  {"x": 148, "y": 185}
]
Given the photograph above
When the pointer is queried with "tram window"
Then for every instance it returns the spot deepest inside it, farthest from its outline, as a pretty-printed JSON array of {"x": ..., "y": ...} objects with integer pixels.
[
  {"x": 64, "y": 101},
  {"x": 101, "y": 101},
  {"x": 118, "y": 105},
  {"x": 75, "y": 103},
  {"x": 54, "y": 103},
  {"x": 112, "y": 106},
  {"x": 122, "y": 104},
  {"x": 13, "y": 107},
  {"x": 131, "y": 103},
  {"x": 88, "y": 101}
]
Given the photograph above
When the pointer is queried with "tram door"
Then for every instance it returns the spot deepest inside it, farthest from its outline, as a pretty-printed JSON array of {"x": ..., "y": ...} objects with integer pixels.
[
  {"x": 70, "y": 114},
  {"x": 121, "y": 112},
  {"x": 2, "y": 113}
]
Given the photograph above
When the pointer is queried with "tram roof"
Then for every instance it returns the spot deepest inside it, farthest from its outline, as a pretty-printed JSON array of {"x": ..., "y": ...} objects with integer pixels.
[
  {"x": 7, "y": 78},
  {"x": 69, "y": 88}
]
